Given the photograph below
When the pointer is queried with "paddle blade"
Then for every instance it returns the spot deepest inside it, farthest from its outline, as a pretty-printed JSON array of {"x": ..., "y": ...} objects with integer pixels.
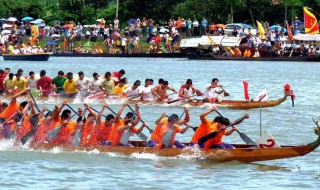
[
  {"x": 168, "y": 137},
  {"x": 142, "y": 136},
  {"x": 194, "y": 128},
  {"x": 77, "y": 137},
  {"x": 207, "y": 137},
  {"x": 226, "y": 94},
  {"x": 246, "y": 139},
  {"x": 125, "y": 137},
  {"x": 26, "y": 137},
  {"x": 53, "y": 133},
  {"x": 150, "y": 130}
]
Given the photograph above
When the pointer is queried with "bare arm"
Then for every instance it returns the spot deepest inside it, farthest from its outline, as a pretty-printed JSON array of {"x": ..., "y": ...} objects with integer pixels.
[
  {"x": 120, "y": 111},
  {"x": 172, "y": 89},
  {"x": 154, "y": 91},
  {"x": 238, "y": 121},
  {"x": 141, "y": 128},
  {"x": 98, "y": 122},
  {"x": 14, "y": 97},
  {"x": 186, "y": 118},
  {"x": 90, "y": 110},
  {"x": 204, "y": 114},
  {"x": 137, "y": 120},
  {"x": 158, "y": 121},
  {"x": 186, "y": 128}
]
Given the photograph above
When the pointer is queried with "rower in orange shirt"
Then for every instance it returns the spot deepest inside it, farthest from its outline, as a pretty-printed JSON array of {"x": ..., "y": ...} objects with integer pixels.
[
  {"x": 128, "y": 122},
  {"x": 69, "y": 127},
  {"x": 102, "y": 132},
  {"x": 13, "y": 105},
  {"x": 88, "y": 127},
  {"x": 164, "y": 126},
  {"x": 208, "y": 126}
]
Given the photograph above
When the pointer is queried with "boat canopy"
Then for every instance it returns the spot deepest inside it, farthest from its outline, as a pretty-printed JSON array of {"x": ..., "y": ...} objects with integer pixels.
[
  {"x": 224, "y": 41},
  {"x": 307, "y": 37}
]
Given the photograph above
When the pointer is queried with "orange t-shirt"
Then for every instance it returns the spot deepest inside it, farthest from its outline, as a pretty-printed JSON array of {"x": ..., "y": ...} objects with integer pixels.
[
  {"x": 10, "y": 110},
  {"x": 155, "y": 136},
  {"x": 42, "y": 131},
  {"x": 178, "y": 23},
  {"x": 101, "y": 133},
  {"x": 64, "y": 137},
  {"x": 24, "y": 129},
  {"x": 164, "y": 129},
  {"x": 204, "y": 129},
  {"x": 116, "y": 136},
  {"x": 216, "y": 140}
]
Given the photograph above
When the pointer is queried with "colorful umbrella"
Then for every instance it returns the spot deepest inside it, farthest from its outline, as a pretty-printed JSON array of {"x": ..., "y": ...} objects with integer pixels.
[
  {"x": 39, "y": 20},
  {"x": 27, "y": 18},
  {"x": 221, "y": 26},
  {"x": 11, "y": 19}
]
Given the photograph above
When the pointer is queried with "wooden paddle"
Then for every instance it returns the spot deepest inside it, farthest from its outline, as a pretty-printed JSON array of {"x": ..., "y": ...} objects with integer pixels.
[
  {"x": 225, "y": 93},
  {"x": 54, "y": 132},
  {"x": 178, "y": 99}
]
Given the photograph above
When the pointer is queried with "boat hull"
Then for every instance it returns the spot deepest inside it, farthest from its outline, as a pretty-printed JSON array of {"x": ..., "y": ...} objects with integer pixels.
[
  {"x": 242, "y": 153},
  {"x": 26, "y": 57},
  {"x": 232, "y": 104},
  {"x": 220, "y": 57},
  {"x": 153, "y": 55}
]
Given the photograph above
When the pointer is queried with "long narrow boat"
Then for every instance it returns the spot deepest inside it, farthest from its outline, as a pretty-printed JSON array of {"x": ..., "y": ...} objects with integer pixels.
[
  {"x": 314, "y": 58},
  {"x": 242, "y": 153},
  {"x": 125, "y": 55},
  {"x": 27, "y": 57},
  {"x": 232, "y": 104}
]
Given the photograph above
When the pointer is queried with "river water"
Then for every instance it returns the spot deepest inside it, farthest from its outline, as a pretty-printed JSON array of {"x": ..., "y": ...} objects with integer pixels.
[{"x": 23, "y": 168}]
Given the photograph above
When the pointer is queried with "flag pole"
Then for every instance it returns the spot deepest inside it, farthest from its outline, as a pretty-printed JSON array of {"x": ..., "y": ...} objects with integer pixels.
[
  {"x": 260, "y": 119},
  {"x": 117, "y": 9}
]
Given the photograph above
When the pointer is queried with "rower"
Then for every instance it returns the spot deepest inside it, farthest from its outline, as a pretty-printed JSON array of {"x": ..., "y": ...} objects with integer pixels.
[
  {"x": 20, "y": 82},
  {"x": 164, "y": 125},
  {"x": 107, "y": 85},
  {"x": 68, "y": 129},
  {"x": 102, "y": 134},
  {"x": 120, "y": 88},
  {"x": 70, "y": 86},
  {"x": 83, "y": 84},
  {"x": 160, "y": 91},
  {"x": 129, "y": 122},
  {"x": 8, "y": 83},
  {"x": 117, "y": 76},
  {"x": 3, "y": 75},
  {"x": 134, "y": 90},
  {"x": 95, "y": 83},
  {"x": 32, "y": 83},
  {"x": 208, "y": 126},
  {"x": 44, "y": 83},
  {"x": 211, "y": 91},
  {"x": 147, "y": 90},
  {"x": 187, "y": 90},
  {"x": 58, "y": 82}
]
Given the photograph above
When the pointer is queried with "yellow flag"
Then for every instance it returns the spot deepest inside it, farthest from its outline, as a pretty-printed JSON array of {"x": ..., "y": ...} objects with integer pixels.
[{"x": 261, "y": 30}]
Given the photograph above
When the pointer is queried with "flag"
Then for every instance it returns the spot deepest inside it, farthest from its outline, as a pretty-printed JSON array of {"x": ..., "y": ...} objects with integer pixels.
[
  {"x": 289, "y": 31},
  {"x": 267, "y": 141},
  {"x": 310, "y": 22},
  {"x": 261, "y": 30},
  {"x": 263, "y": 95},
  {"x": 246, "y": 93}
]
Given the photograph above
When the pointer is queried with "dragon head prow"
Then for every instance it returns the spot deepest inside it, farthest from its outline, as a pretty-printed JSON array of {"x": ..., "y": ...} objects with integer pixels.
[{"x": 317, "y": 129}]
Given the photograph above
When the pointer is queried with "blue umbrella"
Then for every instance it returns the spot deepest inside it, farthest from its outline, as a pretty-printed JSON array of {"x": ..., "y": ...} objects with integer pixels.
[
  {"x": 56, "y": 21},
  {"x": 39, "y": 20},
  {"x": 27, "y": 18},
  {"x": 41, "y": 24},
  {"x": 274, "y": 27}
]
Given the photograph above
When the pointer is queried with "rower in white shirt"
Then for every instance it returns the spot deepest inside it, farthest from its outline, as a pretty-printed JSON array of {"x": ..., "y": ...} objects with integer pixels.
[
  {"x": 147, "y": 90},
  {"x": 133, "y": 91},
  {"x": 211, "y": 93},
  {"x": 83, "y": 84},
  {"x": 95, "y": 83}
]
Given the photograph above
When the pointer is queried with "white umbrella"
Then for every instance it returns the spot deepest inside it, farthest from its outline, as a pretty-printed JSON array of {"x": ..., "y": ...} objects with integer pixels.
[
  {"x": 55, "y": 35},
  {"x": 39, "y": 20},
  {"x": 6, "y": 26},
  {"x": 11, "y": 19},
  {"x": 98, "y": 20}
]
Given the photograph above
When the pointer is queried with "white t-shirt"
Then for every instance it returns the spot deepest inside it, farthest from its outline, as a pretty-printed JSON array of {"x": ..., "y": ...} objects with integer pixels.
[
  {"x": 210, "y": 93},
  {"x": 148, "y": 90},
  {"x": 95, "y": 84},
  {"x": 32, "y": 83},
  {"x": 130, "y": 92},
  {"x": 83, "y": 84}
]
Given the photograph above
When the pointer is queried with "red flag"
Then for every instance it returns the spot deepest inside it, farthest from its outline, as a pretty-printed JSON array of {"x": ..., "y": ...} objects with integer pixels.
[
  {"x": 246, "y": 93},
  {"x": 289, "y": 32},
  {"x": 310, "y": 22}
]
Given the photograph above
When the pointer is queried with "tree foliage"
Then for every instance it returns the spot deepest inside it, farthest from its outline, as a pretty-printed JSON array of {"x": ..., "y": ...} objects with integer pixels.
[{"x": 87, "y": 11}]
